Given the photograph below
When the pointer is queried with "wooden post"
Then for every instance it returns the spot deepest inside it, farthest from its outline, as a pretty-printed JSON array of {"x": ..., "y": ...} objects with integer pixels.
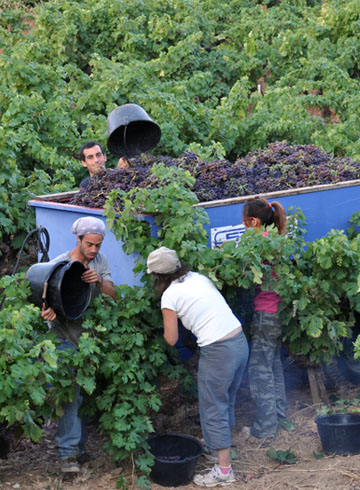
[{"x": 317, "y": 385}]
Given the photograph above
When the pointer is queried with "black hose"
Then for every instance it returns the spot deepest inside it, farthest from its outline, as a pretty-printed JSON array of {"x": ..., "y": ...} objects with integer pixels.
[
  {"x": 42, "y": 247},
  {"x": 43, "y": 244}
]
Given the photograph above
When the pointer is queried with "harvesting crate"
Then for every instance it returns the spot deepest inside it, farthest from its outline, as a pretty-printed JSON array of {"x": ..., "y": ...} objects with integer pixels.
[{"x": 325, "y": 207}]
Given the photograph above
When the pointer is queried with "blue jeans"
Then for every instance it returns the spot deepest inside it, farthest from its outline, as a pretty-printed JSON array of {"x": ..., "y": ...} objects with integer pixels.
[
  {"x": 221, "y": 368},
  {"x": 266, "y": 375},
  {"x": 71, "y": 434}
]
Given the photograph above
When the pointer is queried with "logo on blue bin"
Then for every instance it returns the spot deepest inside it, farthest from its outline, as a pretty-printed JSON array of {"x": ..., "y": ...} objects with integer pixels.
[{"x": 224, "y": 234}]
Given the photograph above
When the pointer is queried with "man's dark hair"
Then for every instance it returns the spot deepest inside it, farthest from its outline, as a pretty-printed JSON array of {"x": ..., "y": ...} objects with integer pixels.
[{"x": 86, "y": 146}]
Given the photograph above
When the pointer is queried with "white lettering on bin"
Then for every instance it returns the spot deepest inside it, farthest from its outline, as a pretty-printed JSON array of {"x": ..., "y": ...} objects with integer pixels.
[{"x": 225, "y": 234}]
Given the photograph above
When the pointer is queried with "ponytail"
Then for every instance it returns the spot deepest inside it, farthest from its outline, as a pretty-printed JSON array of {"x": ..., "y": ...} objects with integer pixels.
[
  {"x": 267, "y": 213},
  {"x": 280, "y": 218}
]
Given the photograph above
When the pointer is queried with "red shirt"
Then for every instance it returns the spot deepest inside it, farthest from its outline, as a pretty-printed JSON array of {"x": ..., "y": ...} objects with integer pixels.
[{"x": 267, "y": 301}]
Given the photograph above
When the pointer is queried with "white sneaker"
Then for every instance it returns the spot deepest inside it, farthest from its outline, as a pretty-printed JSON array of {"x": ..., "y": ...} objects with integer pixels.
[{"x": 214, "y": 478}]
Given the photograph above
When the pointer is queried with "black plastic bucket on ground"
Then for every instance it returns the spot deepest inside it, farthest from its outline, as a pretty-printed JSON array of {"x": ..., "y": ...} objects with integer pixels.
[
  {"x": 131, "y": 131},
  {"x": 65, "y": 291},
  {"x": 176, "y": 456},
  {"x": 339, "y": 433}
]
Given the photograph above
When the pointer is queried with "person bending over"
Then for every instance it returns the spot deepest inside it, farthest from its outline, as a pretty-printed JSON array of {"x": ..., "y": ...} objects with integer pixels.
[{"x": 193, "y": 298}]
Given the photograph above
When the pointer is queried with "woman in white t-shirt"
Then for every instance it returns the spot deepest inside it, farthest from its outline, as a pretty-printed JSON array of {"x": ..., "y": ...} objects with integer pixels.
[{"x": 193, "y": 299}]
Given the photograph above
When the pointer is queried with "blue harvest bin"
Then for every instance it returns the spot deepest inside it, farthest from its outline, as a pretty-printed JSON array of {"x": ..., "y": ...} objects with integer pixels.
[{"x": 325, "y": 207}]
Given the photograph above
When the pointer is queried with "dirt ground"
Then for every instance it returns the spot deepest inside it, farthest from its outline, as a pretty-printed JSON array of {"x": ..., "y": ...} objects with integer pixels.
[{"x": 31, "y": 466}]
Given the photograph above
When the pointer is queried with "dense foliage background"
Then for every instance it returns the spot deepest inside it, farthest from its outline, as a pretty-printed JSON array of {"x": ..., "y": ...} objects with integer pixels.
[{"x": 221, "y": 79}]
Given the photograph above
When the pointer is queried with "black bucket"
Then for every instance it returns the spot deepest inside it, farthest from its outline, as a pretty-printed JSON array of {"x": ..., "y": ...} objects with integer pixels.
[
  {"x": 339, "y": 433},
  {"x": 59, "y": 285},
  {"x": 176, "y": 456},
  {"x": 131, "y": 131}
]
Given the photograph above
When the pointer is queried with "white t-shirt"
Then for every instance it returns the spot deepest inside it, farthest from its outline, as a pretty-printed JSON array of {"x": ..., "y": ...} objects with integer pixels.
[{"x": 201, "y": 308}]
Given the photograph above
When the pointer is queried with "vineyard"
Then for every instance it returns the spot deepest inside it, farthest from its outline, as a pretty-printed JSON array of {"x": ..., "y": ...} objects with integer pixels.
[
  {"x": 251, "y": 97},
  {"x": 221, "y": 81}
]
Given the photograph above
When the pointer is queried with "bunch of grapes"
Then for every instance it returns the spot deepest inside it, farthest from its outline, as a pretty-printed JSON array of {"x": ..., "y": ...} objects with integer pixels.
[
  {"x": 281, "y": 166},
  {"x": 278, "y": 167}
]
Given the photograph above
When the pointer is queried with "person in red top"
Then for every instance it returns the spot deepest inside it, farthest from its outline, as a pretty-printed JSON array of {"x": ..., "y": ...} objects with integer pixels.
[{"x": 266, "y": 376}]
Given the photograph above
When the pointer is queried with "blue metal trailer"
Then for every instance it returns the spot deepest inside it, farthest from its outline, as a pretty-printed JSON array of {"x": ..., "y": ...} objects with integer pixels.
[{"x": 325, "y": 207}]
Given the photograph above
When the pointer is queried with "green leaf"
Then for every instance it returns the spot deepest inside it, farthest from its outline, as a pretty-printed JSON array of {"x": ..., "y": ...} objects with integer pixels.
[
  {"x": 317, "y": 455},
  {"x": 315, "y": 327},
  {"x": 284, "y": 457}
]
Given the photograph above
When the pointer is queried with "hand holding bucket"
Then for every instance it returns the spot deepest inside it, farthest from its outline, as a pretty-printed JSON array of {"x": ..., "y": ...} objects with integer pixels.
[{"x": 59, "y": 285}]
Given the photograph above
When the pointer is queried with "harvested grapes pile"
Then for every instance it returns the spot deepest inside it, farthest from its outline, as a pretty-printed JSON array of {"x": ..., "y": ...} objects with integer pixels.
[{"x": 278, "y": 167}]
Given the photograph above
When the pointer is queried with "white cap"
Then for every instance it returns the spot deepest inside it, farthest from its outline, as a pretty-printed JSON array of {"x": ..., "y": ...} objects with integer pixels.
[
  {"x": 163, "y": 261},
  {"x": 88, "y": 225}
]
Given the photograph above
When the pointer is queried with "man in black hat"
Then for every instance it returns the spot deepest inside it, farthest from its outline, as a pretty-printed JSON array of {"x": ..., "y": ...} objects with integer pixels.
[{"x": 90, "y": 232}]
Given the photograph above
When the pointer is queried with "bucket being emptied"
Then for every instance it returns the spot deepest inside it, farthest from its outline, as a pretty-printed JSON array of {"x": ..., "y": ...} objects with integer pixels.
[
  {"x": 131, "y": 131},
  {"x": 339, "y": 433},
  {"x": 59, "y": 285},
  {"x": 176, "y": 456}
]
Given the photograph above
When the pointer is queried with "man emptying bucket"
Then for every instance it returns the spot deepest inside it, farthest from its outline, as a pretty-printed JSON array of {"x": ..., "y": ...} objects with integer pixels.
[{"x": 90, "y": 232}]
